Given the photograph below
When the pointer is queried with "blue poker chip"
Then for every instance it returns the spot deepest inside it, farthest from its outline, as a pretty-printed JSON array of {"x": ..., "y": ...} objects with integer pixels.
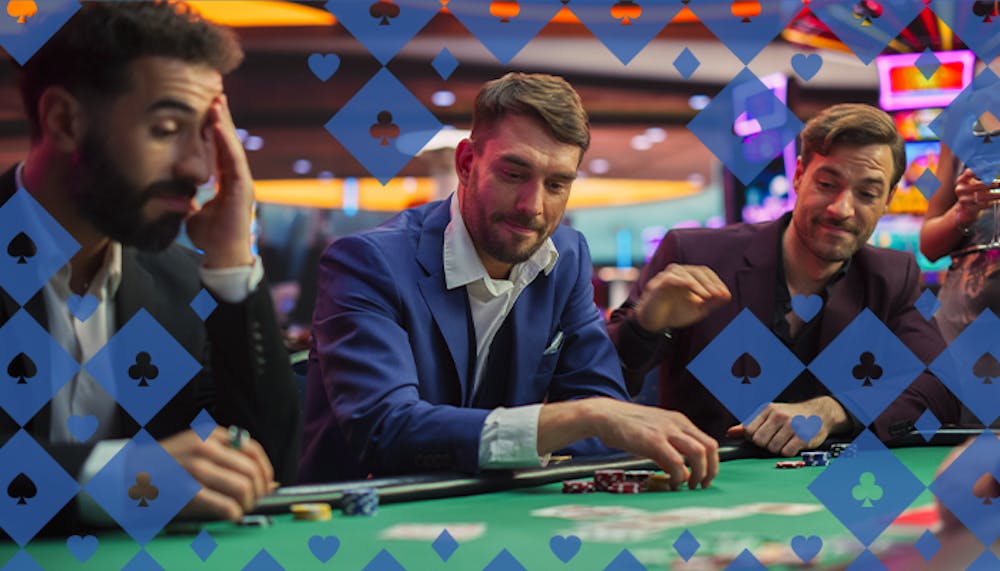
[{"x": 361, "y": 501}]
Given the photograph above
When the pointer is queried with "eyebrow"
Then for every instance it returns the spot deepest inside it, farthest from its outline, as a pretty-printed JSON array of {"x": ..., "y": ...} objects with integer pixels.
[
  {"x": 518, "y": 161},
  {"x": 171, "y": 104}
]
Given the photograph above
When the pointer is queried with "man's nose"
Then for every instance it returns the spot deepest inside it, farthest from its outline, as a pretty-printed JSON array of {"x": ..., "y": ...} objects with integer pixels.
[
  {"x": 531, "y": 198},
  {"x": 195, "y": 158}
]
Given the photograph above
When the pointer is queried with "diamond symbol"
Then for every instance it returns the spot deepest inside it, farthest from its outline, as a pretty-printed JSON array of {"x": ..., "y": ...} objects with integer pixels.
[
  {"x": 23, "y": 39},
  {"x": 745, "y": 126},
  {"x": 968, "y": 366},
  {"x": 625, "y": 561},
  {"x": 384, "y": 27},
  {"x": 867, "y": 490},
  {"x": 927, "y": 545},
  {"x": 444, "y": 64},
  {"x": 40, "y": 487},
  {"x": 927, "y": 184},
  {"x": 203, "y": 304},
  {"x": 504, "y": 561},
  {"x": 502, "y": 34},
  {"x": 745, "y": 561},
  {"x": 624, "y": 34},
  {"x": 964, "y": 487},
  {"x": 34, "y": 246},
  {"x": 686, "y": 545},
  {"x": 142, "y": 367},
  {"x": 927, "y": 425},
  {"x": 745, "y": 366},
  {"x": 958, "y": 125},
  {"x": 21, "y": 561},
  {"x": 862, "y": 28},
  {"x": 383, "y": 561},
  {"x": 203, "y": 545},
  {"x": 263, "y": 561},
  {"x": 746, "y": 36},
  {"x": 928, "y": 63},
  {"x": 142, "y": 562},
  {"x": 977, "y": 28},
  {"x": 686, "y": 63},
  {"x": 142, "y": 487},
  {"x": 927, "y": 304},
  {"x": 867, "y": 561},
  {"x": 203, "y": 425},
  {"x": 866, "y": 366},
  {"x": 369, "y": 124},
  {"x": 985, "y": 562},
  {"x": 33, "y": 367},
  {"x": 445, "y": 545}
]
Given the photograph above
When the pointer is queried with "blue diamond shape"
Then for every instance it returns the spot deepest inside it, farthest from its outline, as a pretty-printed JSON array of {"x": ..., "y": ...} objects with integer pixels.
[
  {"x": 745, "y": 561},
  {"x": 505, "y": 38},
  {"x": 868, "y": 490},
  {"x": 445, "y": 545},
  {"x": 980, "y": 36},
  {"x": 928, "y": 63},
  {"x": 375, "y": 26},
  {"x": 714, "y": 366},
  {"x": 840, "y": 363},
  {"x": 22, "y": 397},
  {"x": 927, "y": 304},
  {"x": 955, "y": 487},
  {"x": 927, "y": 545},
  {"x": 927, "y": 184},
  {"x": 622, "y": 32},
  {"x": 383, "y": 561},
  {"x": 686, "y": 63},
  {"x": 867, "y": 561},
  {"x": 625, "y": 561},
  {"x": 745, "y": 126},
  {"x": 111, "y": 487},
  {"x": 22, "y": 40},
  {"x": 383, "y": 102},
  {"x": 21, "y": 561},
  {"x": 985, "y": 562},
  {"x": 746, "y": 37},
  {"x": 263, "y": 561},
  {"x": 504, "y": 561},
  {"x": 142, "y": 562},
  {"x": 22, "y": 276},
  {"x": 444, "y": 64},
  {"x": 203, "y": 545},
  {"x": 203, "y": 304},
  {"x": 21, "y": 455},
  {"x": 115, "y": 364},
  {"x": 955, "y": 125},
  {"x": 203, "y": 424},
  {"x": 965, "y": 366},
  {"x": 868, "y": 34},
  {"x": 927, "y": 425},
  {"x": 686, "y": 545}
]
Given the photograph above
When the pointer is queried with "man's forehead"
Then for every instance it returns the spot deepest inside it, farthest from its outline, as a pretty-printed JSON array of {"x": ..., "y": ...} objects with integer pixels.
[{"x": 155, "y": 77}]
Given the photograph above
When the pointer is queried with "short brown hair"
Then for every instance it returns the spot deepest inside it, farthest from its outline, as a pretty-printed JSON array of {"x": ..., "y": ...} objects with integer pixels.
[
  {"x": 855, "y": 125},
  {"x": 547, "y": 97}
]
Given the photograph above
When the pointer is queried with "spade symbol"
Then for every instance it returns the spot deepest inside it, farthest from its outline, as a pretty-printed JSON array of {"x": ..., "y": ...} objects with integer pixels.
[
  {"x": 22, "y": 10},
  {"x": 22, "y": 488},
  {"x": 143, "y": 489},
  {"x": 867, "y": 369},
  {"x": 383, "y": 10},
  {"x": 385, "y": 129},
  {"x": 143, "y": 369},
  {"x": 626, "y": 11},
  {"x": 745, "y": 367},
  {"x": 21, "y": 247},
  {"x": 505, "y": 10},
  {"x": 21, "y": 367},
  {"x": 987, "y": 488},
  {"x": 986, "y": 367},
  {"x": 985, "y": 10}
]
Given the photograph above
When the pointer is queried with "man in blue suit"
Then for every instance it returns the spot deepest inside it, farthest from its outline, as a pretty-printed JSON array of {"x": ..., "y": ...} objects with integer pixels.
[{"x": 462, "y": 335}]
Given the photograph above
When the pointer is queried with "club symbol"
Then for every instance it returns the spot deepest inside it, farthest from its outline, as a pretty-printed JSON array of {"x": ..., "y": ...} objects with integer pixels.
[
  {"x": 383, "y": 10},
  {"x": 745, "y": 367},
  {"x": 22, "y": 488},
  {"x": 505, "y": 10},
  {"x": 978, "y": 130},
  {"x": 986, "y": 10},
  {"x": 21, "y": 367},
  {"x": 867, "y": 369},
  {"x": 21, "y": 247},
  {"x": 626, "y": 11},
  {"x": 867, "y": 10},
  {"x": 867, "y": 491},
  {"x": 143, "y": 489},
  {"x": 143, "y": 370},
  {"x": 986, "y": 368},
  {"x": 987, "y": 488},
  {"x": 745, "y": 10},
  {"x": 385, "y": 129},
  {"x": 22, "y": 10}
]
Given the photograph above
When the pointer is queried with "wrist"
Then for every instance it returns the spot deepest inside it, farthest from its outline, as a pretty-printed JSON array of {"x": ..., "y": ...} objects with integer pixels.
[{"x": 963, "y": 226}]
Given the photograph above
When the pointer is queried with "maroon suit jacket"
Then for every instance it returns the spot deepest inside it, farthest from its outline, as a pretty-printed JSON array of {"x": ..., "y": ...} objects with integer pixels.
[{"x": 746, "y": 258}]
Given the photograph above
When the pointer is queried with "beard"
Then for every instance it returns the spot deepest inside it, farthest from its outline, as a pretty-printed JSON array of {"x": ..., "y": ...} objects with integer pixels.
[
  {"x": 488, "y": 234},
  {"x": 114, "y": 205}
]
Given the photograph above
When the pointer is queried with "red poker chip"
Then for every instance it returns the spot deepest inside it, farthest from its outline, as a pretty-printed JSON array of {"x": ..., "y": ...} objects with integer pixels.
[
  {"x": 605, "y": 478},
  {"x": 579, "y": 487},
  {"x": 625, "y": 488},
  {"x": 790, "y": 464}
]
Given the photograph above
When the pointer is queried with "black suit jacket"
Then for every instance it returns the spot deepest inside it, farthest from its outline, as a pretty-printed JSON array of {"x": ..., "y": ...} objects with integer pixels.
[
  {"x": 745, "y": 256},
  {"x": 245, "y": 380}
]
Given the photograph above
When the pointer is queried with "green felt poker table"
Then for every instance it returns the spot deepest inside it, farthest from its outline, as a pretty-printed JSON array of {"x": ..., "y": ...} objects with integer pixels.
[{"x": 527, "y": 523}]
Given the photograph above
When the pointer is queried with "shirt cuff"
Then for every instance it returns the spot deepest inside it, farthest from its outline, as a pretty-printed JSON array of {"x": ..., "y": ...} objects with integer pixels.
[
  {"x": 233, "y": 285},
  {"x": 510, "y": 439},
  {"x": 90, "y": 511}
]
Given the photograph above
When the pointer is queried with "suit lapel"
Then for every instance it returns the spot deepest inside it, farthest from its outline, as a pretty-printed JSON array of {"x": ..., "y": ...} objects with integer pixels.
[
  {"x": 531, "y": 313},
  {"x": 756, "y": 281}
]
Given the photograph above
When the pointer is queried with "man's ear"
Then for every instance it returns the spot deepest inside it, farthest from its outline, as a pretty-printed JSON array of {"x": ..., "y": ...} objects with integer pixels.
[
  {"x": 798, "y": 174},
  {"x": 464, "y": 157},
  {"x": 62, "y": 119}
]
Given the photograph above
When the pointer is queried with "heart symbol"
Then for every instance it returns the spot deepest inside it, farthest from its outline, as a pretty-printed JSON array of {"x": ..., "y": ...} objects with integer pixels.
[
  {"x": 82, "y": 548},
  {"x": 806, "y": 547},
  {"x": 806, "y": 427},
  {"x": 565, "y": 548},
  {"x": 323, "y": 548},
  {"x": 806, "y": 307},
  {"x": 82, "y": 306},
  {"x": 82, "y": 427},
  {"x": 323, "y": 66},
  {"x": 807, "y": 65}
]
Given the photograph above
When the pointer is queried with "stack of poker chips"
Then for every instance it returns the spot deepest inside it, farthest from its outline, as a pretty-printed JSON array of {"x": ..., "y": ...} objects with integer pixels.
[
  {"x": 842, "y": 449},
  {"x": 639, "y": 476},
  {"x": 361, "y": 501},
  {"x": 625, "y": 488},
  {"x": 789, "y": 464},
  {"x": 816, "y": 458},
  {"x": 620, "y": 482},
  {"x": 604, "y": 479},
  {"x": 311, "y": 512},
  {"x": 658, "y": 483},
  {"x": 579, "y": 487}
]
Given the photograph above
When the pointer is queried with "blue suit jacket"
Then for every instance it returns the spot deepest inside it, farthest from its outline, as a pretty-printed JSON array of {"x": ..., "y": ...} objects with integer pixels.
[{"x": 393, "y": 352}]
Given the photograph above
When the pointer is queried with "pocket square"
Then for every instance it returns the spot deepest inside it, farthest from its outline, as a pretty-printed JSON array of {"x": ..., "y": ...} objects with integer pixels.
[{"x": 555, "y": 345}]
